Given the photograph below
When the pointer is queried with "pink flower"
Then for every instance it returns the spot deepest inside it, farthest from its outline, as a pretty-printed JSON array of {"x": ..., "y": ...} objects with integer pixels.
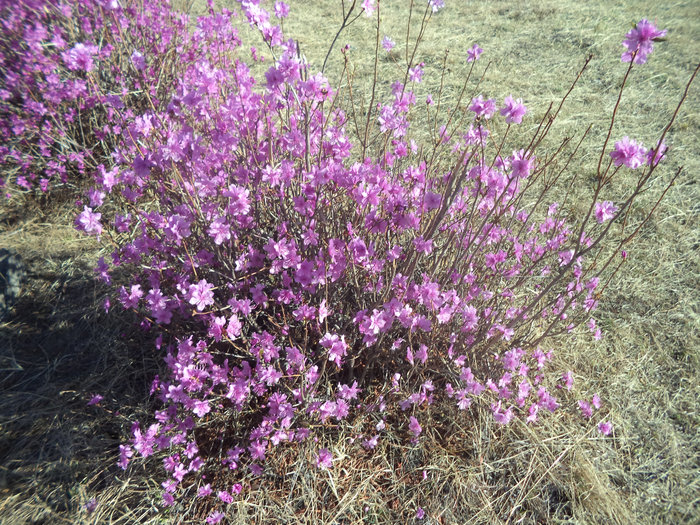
[
  {"x": 125, "y": 453},
  {"x": 225, "y": 496},
  {"x": 201, "y": 294},
  {"x": 605, "y": 428},
  {"x": 474, "y": 53},
  {"x": 324, "y": 459},
  {"x": 79, "y": 57},
  {"x": 281, "y": 10},
  {"x": 568, "y": 378},
  {"x": 604, "y": 211},
  {"x": 422, "y": 353},
  {"x": 483, "y": 108},
  {"x": 201, "y": 408},
  {"x": 436, "y": 5},
  {"x": 415, "y": 427},
  {"x": 502, "y": 417},
  {"x": 369, "y": 7},
  {"x": 640, "y": 39},
  {"x": 586, "y": 409},
  {"x": 96, "y": 399},
  {"x": 656, "y": 155},
  {"x": 138, "y": 61},
  {"x": 513, "y": 110},
  {"x": 257, "y": 449},
  {"x": 370, "y": 443},
  {"x": 89, "y": 222},
  {"x": 629, "y": 153},
  {"x": 388, "y": 44},
  {"x": 420, "y": 513},
  {"x": 215, "y": 517},
  {"x": 416, "y": 74}
]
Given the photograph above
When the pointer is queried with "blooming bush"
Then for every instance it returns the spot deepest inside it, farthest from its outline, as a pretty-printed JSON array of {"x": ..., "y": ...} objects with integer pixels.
[
  {"x": 305, "y": 264},
  {"x": 71, "y": 73}
]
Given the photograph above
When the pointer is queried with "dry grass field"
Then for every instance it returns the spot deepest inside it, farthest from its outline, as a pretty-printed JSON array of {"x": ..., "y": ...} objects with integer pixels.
[{"x": 58, "y": 347}]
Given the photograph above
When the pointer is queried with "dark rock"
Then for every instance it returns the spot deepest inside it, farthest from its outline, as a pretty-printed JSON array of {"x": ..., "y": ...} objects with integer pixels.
[{"x": 12, "y": 275}]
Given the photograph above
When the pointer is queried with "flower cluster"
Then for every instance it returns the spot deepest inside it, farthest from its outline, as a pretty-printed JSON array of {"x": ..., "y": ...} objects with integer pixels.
[
  {"x": 298, "y": 272},
  {"x": 59, "y": 75}
]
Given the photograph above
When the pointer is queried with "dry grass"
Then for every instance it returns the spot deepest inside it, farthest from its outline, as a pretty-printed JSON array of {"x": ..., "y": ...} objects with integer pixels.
[{"x": 59, "y": 347}]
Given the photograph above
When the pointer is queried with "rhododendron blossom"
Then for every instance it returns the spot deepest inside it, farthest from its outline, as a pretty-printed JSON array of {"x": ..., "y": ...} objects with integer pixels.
[
  {"x": 605, "y": 211},
  {"x": 640, "y": 40},
  {"x": 324, "y": 459},
  {"x": 414, "y": 426},
  {"x": 388, "y": 44},
  {"x": 474, "y": 53},
  {"x": 80, "y": 57},
  {"x": 513, "y": 110},
  {"x": 629, "y": 153}
]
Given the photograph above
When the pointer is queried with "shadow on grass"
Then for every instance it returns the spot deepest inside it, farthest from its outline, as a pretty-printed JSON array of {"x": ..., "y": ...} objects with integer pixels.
[{"x": 59, "y": 348}]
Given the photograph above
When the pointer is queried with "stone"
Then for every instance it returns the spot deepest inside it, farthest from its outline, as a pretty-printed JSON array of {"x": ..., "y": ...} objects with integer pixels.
[{"x": 12, "y": 276}]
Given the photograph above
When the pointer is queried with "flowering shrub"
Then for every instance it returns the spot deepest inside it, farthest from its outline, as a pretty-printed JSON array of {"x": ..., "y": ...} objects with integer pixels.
[
  {"x": 71, "y": 73},
  {"x": 304, "y": 266}
]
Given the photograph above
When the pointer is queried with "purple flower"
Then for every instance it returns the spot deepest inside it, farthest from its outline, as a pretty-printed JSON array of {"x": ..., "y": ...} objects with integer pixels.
[
  {"x": 502, "y": 417},
  {"x": 201, "y": 408},
  {"x": 103, "y": 270},
  {"x": 369, "y": 7},
  {"x": 324, "y": 459},
  {"x": 420, "y": 513},
  {"x": 90, "y": 506},
  {"x": 415, "y": 427},
  {"x": 656, "y": 155},
  {"x": 370, "y": 443},
  {"x": 130, "y": 300},
  {"x": 513, "y": 110},
  {"x": 388, "y": 44},
  {"x": 568, "y": 379},
  {"x": 604, "y": 211},
  {"x": 79, "y": 57},
  {"x": 586, "y": 409},
  {"x": 89, "y": 222},
  {"x": 215, "y": 517},
  {"x": 138, "y": 61},
  {"x": 474, "y": 53},
  {"x": 605, "y": 428},
  {"x": 629, "y": 153},
  {"x": 201, "y": 294},
  {"x": 483, "y": 108},
  {"x": 257, "y": 450},
  {"x": 281, "y": 10},
  {"x": 436, "y": 5},
  {"x": 640, "y": 39},
  {"x": 225, "y": 496},
  {"x": 416, "y": 74},
  {"x": 96, "y": 399},
  {"x": 125, "y": 453}
]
